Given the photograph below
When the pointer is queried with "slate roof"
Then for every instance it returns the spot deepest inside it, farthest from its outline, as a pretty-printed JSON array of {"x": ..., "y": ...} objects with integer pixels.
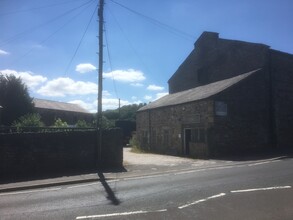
[
  {"x": 63, "y": 106},
  {"x": 198, "y": 93}
]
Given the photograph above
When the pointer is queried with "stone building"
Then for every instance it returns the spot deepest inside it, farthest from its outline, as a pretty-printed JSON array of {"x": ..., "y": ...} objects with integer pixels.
[
  {"x": 68, "y": 112},
  {"x": 226, "y": 97}
]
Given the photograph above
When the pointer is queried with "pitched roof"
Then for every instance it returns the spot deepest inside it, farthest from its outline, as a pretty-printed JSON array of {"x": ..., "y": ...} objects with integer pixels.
[
  {"x": 198, "y": 93},
  {"x": 63, "y": 106}
]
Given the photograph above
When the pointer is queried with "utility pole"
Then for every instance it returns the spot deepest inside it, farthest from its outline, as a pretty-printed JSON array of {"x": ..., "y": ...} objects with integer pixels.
[
  {"x": 100, "y": 89},
  {"x": 119, "y": 109}
]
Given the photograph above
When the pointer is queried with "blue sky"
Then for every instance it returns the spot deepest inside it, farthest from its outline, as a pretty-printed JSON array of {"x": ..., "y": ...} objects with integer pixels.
[{"x": 52, "y": 45}]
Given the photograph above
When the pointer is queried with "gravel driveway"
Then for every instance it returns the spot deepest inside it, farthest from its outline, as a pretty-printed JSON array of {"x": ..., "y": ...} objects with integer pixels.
[{"x": 139, "y": 162}]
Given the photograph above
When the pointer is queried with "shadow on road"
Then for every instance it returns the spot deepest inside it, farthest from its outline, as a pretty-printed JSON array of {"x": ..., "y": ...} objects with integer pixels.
[{"x": 111, "y": 195}]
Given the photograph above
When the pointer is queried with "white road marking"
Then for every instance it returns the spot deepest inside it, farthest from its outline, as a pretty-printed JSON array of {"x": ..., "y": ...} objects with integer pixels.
[
  {"x": 83, "y": 185},
  {"x": 145, "y": 177},
  {"x": 32, "y": 191},
  {"x": 201, "y": 200},
  {"x": 264, "y": 162},
  {"x": 119, "y": 214},
  {"x": 261, "y": 189}
]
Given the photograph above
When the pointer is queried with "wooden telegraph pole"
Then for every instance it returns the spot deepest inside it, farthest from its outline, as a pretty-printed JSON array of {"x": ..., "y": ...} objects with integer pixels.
[{"x": 100, "y": 85}]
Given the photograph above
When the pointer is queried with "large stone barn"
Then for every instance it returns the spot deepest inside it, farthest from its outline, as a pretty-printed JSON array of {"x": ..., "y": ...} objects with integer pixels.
[
  {"x": 227, "y": 97},
  {"x": 68, "y": 112}
]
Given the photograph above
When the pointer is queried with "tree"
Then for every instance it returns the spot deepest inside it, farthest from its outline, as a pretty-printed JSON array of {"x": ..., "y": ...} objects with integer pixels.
[
  {"x": 14, "y": 98},
  {"x": 127, "y": 112}
]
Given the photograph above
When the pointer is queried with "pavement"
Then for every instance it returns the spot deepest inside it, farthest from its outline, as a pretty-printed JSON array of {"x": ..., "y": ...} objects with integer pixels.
[{"x": 135, "y": 164}]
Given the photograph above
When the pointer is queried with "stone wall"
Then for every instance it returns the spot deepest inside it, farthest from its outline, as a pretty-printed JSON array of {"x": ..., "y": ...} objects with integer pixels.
[
  {"x": 34, "y": 154},
  {"x": 215, "y": 59},
  {"x": 246, "y": 126},
  {"x": 162, "y": 130}
]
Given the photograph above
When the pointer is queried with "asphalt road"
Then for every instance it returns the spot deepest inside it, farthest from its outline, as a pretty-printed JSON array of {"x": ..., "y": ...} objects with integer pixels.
[{"x": 252, "y": 190}]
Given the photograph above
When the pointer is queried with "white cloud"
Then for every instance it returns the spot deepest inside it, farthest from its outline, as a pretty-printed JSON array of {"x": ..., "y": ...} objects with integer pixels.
[
  {"x": 27, "y": 77},
  {"x": 90, "y": 106},
  {"x": 134, "y": 98},
  {"x": 65, "y": 86},
  {"x": 155, "y": 88},
  {"x": 147, "y": 97},
  {"x": 136, "y": 84},
  {"x": 130, "y": 75},
  {"x": 161, "y": 94},
  {"x": 3, "y": 52},
  {"x": 106, "y": 93},
  {"x": 113, "y": 103},
  {"x": 108, "y": 103},
  {"x": 85, "y": 68}
]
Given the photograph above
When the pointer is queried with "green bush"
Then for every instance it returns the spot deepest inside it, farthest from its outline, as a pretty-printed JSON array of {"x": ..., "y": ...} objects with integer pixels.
[
  {"x": 29, "y": 120},
  {"x": 83, "y": 124},
  {"x": 60, "y": 124},
  {"x": 135, "y": 147}
]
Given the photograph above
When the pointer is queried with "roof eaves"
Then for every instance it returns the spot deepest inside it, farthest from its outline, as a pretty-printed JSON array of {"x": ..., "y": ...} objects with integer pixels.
[{"x": 197, "y": 93}]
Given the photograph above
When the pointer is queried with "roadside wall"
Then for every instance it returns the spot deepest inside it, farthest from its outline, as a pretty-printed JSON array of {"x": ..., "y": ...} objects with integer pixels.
[{"x": 30, "y": 154}]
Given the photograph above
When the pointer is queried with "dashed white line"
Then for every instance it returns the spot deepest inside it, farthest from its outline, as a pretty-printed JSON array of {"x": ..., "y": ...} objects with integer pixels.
[
  {"x": 119, "y": 214},
  {"x": 201, "y": 200},
  {"x": 260, "y": 189}
]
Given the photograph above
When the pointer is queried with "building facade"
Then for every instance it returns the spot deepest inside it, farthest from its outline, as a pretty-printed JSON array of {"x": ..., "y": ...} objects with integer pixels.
[{"x": 227, "y": 97}]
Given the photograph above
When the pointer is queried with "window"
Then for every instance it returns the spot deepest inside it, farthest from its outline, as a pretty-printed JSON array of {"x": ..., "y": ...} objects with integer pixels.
[
  {"x": 197, "y": 135},
  {"x": 221, "y": 108}
]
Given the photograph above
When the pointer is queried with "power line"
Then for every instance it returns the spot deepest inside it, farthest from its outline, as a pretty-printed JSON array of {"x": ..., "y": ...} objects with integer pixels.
[
  {"x": 75, "y": 52},
  {"x": 51, "y": 35},
  {"x": 36, "y": 8},
  {"x": 7, "y": 41},
  {"x": 158, "y": 23},
  {"x": 129, "y": 42},
  {"x": 110, "y": 62}
]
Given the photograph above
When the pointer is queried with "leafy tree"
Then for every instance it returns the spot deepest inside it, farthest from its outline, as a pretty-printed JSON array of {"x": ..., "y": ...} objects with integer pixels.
[
  {"x": 29, "y": 120},
  {"x": 106, "y": 123},
  {"x": 60, "y": 124},
  {"x": 14, "y": 98},
  {"x": 127, "y": 112}
]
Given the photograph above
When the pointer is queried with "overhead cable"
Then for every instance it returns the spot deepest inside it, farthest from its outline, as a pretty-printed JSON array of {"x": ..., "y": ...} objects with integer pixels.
[
  {"x": 110, "y": 62},
  {"x": 158, "y": 23},
  {"x": 30, "y": 30},
  {"x": 36, "y": 8},
  {"x": 75, "y": 52},
  {"x": 55, "y": 32},
  {"x": 129, "y": 42}
]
